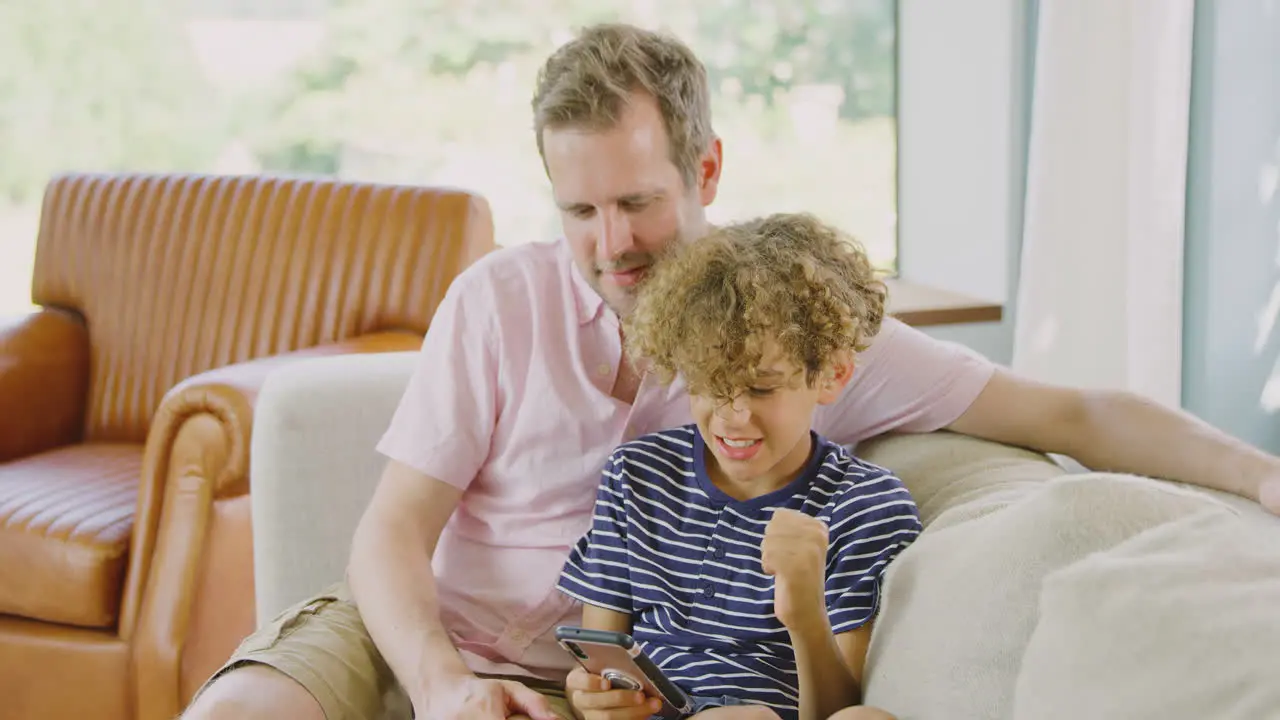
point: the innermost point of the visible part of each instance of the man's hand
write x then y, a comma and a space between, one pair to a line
1269, 494
473, 698
795, 553
592, 699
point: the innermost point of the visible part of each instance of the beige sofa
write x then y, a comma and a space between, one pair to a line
1033, 594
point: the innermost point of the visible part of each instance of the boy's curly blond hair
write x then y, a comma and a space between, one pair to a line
711, 305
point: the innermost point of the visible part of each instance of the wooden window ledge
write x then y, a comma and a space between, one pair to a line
921, 305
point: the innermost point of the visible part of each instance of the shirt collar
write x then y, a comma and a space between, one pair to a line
589, 304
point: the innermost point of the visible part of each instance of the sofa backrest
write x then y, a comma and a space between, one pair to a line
179, 274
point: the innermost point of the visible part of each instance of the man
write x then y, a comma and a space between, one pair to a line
522, 390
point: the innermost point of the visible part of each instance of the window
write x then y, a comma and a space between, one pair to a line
432, 92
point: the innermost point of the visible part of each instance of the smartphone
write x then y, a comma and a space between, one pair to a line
617, 658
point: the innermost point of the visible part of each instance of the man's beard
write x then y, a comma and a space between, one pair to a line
631, 261
621, 299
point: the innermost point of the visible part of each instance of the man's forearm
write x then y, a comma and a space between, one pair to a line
391, 578
826, 684
1123, 432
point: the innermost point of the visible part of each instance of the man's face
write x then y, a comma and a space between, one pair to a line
622, 201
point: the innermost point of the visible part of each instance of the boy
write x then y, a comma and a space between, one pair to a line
744, 552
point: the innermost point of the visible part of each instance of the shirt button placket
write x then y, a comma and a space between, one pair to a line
712, 573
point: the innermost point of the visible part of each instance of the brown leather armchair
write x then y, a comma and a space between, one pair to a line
126, 405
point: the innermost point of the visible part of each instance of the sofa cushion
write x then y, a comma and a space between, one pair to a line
1178, 623
954, 478
960, 604
66, 517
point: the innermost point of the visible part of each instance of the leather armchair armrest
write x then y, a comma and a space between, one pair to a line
188, 597
44, 379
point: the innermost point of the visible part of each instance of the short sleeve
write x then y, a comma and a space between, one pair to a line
906, 381
444, 422
872, 523
597, 571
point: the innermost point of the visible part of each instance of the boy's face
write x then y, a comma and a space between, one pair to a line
761, 437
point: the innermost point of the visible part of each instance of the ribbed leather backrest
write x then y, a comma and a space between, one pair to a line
178, 274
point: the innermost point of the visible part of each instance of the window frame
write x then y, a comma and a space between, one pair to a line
960, 182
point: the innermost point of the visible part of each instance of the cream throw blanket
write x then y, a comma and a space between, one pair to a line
1035, 595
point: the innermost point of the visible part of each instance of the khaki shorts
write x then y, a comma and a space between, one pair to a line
322, 644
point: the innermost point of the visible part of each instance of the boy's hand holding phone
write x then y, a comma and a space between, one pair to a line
593, 699
794, 551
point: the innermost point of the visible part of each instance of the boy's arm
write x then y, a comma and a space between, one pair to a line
596, 571
598, 618
853, 651
595, 575
869, 528
828, 683
794, 551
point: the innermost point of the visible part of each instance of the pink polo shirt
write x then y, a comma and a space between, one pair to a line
510, 402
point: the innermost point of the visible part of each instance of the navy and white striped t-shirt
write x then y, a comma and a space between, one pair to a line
683, 559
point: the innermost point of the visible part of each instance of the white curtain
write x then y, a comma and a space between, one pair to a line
1100, 288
